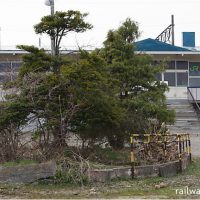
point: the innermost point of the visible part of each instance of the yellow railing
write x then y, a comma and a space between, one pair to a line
182, 140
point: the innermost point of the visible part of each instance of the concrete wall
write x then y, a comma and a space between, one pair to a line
164, 170
28, 173
177, 93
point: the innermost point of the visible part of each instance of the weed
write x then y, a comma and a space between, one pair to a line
18, 162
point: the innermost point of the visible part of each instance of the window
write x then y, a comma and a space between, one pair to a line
16, 66
5, 66
182, 79
170, 77
195, 82
171, 65
194, 69
159, 76
182, 65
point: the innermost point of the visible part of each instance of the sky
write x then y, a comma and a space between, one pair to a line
17, 18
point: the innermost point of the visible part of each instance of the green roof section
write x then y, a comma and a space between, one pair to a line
155, 45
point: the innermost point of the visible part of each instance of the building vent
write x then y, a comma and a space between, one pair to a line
188, 39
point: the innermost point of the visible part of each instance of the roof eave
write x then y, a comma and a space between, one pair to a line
169, 52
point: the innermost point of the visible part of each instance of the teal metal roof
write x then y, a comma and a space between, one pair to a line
155, 45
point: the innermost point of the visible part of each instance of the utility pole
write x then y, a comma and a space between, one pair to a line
172, 23
51, 4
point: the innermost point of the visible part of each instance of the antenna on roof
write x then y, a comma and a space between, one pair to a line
168, 34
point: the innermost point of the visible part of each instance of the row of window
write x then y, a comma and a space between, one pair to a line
8, 70
179, 79
8, 77
181, 73
175, 77
9, 66
177, 65
193, 67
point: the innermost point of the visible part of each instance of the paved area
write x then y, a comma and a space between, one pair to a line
187, 121
195, 144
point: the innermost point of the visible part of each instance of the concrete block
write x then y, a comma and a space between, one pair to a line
124, 172
185, 162
100, 175
169, 169
146, 171
28, 173
165, 170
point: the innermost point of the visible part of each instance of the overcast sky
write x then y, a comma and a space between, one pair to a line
17, 18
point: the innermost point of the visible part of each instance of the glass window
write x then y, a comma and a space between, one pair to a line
16, 65
195, 82
182, 65
156, 62
159, 76
9, 66
170, 77
5, 66
194, 68
2, 78
171, 65
182, 79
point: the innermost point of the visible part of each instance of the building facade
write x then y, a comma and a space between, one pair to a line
183, 65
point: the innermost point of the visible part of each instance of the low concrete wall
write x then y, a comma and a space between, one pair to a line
185, 162
28, 173
169, 169
121, 172
100, 175
164, 170
146, 171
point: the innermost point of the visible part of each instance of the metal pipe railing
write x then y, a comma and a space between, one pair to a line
182, 141
193, 98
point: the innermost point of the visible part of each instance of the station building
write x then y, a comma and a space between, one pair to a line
11, 60
183, 69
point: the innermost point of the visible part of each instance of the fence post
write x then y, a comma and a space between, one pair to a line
183, 142
180, 152
190, 152
165, 146
186, 145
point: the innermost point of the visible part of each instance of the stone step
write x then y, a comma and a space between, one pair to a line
181, 109
184, 131
196, 126
193, 126
186, 117
184, 128
188, 127
186, 114
180, 105
177, 100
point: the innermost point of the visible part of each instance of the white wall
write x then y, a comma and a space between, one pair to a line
177, 93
